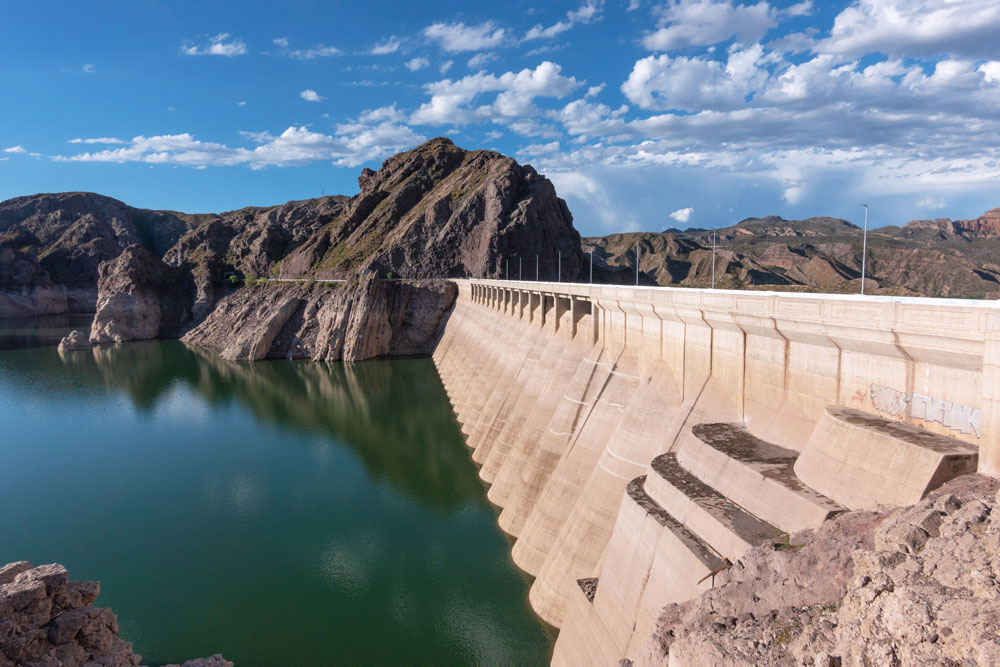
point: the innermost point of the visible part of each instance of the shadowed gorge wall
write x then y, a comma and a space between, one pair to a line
638, 439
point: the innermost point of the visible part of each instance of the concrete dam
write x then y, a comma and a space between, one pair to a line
640, 439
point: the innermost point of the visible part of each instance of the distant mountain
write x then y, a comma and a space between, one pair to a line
923, 257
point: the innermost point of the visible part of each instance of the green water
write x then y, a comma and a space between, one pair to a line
279, 512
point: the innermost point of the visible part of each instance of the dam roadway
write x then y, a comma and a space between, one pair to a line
639, 439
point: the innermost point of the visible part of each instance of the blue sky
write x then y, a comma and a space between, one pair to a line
646, 115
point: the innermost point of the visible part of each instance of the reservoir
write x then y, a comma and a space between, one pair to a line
278, 512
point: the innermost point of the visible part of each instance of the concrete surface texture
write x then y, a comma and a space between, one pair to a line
637, 439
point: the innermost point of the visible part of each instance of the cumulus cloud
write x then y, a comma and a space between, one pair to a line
219, 45
88, 69
374, 135
450, 101
386, 46
445, 66
458, 37
586, 13
415, 64
97, 140
682, 215
16, 149
280, 41
686, 23
915, 28
310, 95
663, 82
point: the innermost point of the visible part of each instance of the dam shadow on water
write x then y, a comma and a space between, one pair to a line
277, 512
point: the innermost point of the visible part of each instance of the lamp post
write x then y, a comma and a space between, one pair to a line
506, 269
591, 265
713, 259
864, 250
559, 275
519, 269
637, 263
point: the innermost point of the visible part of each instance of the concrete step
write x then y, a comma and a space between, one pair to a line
754, 474
862, 460
721, 523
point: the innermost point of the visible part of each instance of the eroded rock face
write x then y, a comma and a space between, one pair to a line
905, 586
76, 340
328, 322
47, 620
140, 298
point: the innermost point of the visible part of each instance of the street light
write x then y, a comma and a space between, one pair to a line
713, 259
591, 265
637, 263
559, 275
864, 250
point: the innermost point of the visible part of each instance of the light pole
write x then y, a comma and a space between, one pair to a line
506, 269
519, 269
559, 275
536, 268
864, 250
637, 263
591, 265
713, 259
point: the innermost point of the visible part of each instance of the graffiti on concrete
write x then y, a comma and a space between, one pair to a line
955, 416
889, 400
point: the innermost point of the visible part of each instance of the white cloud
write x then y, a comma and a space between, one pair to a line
97, 140
445, 66
371, 137
685, 23
931, 202
593, 91
88, 69
280, 41
800, 9
219, 45
16, 149
450, 100
991, 71
481, 59
318, 51
662, 82
417, 64
915, 28
386, 46
586, 13
310, 95
241, 103
458, 37
682, 214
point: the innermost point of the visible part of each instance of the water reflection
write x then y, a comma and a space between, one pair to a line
394, 414
39, 331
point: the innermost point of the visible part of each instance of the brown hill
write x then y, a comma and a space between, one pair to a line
929, 258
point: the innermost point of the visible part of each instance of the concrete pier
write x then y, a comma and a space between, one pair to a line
635, 438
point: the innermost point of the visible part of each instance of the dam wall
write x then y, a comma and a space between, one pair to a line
639, 439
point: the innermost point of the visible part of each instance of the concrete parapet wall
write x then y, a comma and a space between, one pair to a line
567, 392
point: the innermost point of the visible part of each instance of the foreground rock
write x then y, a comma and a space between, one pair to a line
76, 340
47, 620
139, 298
906, 586
360, 320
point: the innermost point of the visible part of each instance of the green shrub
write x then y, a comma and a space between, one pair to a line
250, 279
276, 269
234, 280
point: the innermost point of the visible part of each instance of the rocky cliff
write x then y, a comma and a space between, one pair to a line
364, 319
45, 619
901, 586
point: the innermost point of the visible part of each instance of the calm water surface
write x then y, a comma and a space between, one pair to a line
276, 512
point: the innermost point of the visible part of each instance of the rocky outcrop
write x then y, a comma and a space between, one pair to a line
48, 620
26, 289
364, 319
904, 586
76, 340
439, 211
139, 298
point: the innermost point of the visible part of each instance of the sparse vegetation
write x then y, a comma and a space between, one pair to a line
250, 279
276, 269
